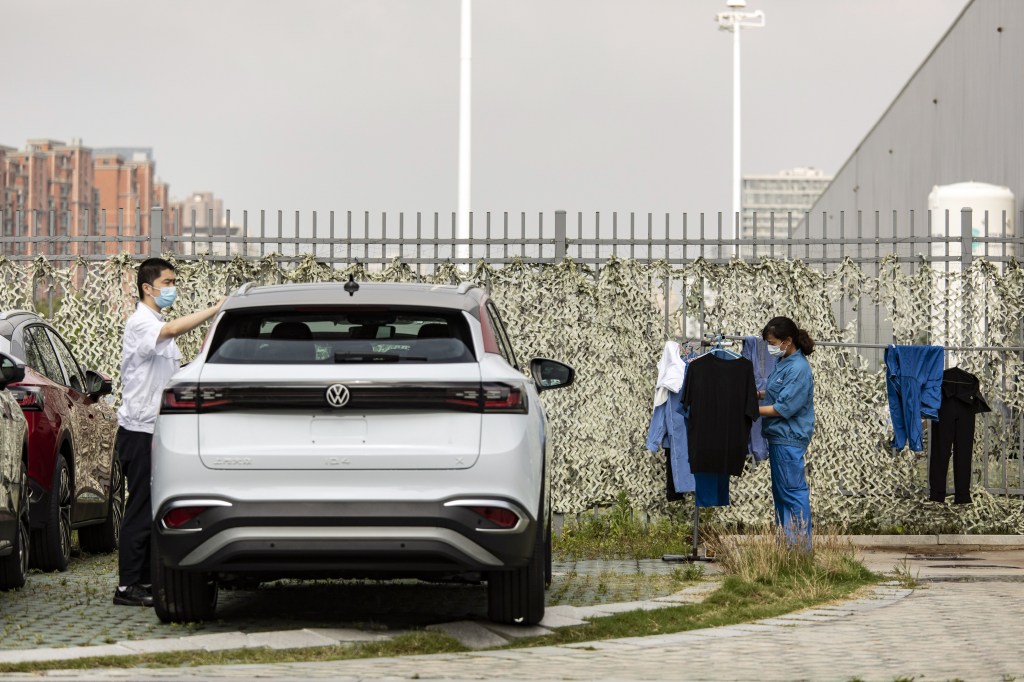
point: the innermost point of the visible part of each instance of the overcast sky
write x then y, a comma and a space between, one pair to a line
584, 105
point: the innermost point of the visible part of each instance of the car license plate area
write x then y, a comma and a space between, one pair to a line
337, 430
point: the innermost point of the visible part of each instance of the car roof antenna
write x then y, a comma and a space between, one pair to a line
351, 286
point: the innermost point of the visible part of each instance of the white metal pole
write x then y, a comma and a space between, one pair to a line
465, 126
736, 180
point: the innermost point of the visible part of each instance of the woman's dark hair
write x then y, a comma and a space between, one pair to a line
149, 272
785, 328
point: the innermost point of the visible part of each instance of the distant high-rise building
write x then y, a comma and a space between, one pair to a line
202, 211
129, 189
48, 191
790, 191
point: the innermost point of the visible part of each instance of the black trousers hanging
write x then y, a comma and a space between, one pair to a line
952, 434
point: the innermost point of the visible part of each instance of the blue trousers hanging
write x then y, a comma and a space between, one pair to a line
790, 493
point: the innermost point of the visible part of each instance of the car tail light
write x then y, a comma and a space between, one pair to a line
190, 398
179, 516
488, 398
28, 397
505, 518
502, 398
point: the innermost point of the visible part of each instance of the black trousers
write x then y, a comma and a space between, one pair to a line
134, 449
952, 434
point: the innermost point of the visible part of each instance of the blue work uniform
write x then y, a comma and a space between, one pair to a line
790, 389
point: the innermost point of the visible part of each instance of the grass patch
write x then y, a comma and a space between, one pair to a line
764, 578
605, 587
618, 533
411, 644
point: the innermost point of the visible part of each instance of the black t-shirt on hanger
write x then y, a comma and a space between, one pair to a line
722, 401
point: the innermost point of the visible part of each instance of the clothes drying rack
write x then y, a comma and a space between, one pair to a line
720, 339
715, 341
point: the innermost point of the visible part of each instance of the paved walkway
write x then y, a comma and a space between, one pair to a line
966, 621
74, 609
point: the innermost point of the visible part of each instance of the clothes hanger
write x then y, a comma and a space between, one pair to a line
718, 347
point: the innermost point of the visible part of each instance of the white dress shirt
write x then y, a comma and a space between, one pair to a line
146, 366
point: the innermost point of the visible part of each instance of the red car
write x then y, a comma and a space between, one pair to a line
75, 479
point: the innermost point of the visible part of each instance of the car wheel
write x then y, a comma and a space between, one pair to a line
181, 596
516, 597
14, 566
51, 544
106, 536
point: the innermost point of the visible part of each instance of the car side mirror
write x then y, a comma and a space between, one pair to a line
11, 370
548, 374
97, 384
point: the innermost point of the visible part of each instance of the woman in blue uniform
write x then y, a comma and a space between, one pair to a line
787, 423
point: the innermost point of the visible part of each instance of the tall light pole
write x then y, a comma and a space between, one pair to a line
465, 126
735, 19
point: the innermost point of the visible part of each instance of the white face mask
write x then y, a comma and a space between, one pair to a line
776, 351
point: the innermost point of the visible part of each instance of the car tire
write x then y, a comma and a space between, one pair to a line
14, 566
181, 596
516, 597
105, 537
51, 544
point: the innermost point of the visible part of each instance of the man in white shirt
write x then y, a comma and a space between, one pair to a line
149, 358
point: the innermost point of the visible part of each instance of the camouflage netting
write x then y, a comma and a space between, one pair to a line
610, 325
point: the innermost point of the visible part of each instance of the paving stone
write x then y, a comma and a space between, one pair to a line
343, 635
219, 642
159, 646
565, 611
555, 621
889, 540
471, 635
589, 612
753, 627
981, 540
63, 654
289, 639
517, 631
626, 606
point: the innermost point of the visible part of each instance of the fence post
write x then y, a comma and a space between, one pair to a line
559, 236
967, 291
966, 238
156, 231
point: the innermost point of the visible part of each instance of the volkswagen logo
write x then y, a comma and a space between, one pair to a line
337, 395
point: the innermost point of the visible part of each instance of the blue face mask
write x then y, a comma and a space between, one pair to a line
167, 296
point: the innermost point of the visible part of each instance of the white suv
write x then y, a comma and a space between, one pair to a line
354, 430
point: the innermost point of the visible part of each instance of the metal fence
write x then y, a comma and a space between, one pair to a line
430, 239
423, 241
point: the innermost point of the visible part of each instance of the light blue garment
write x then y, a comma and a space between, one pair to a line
668, 430
913, 382
790, 390
790, 493
755, 349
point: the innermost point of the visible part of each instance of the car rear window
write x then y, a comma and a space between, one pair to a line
333, 335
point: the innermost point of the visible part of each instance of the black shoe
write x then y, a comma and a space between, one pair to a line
135, 595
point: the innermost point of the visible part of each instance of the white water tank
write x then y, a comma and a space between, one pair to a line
992, 209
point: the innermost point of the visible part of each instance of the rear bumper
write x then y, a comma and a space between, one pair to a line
343, 539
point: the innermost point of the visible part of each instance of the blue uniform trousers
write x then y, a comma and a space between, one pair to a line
790, 492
